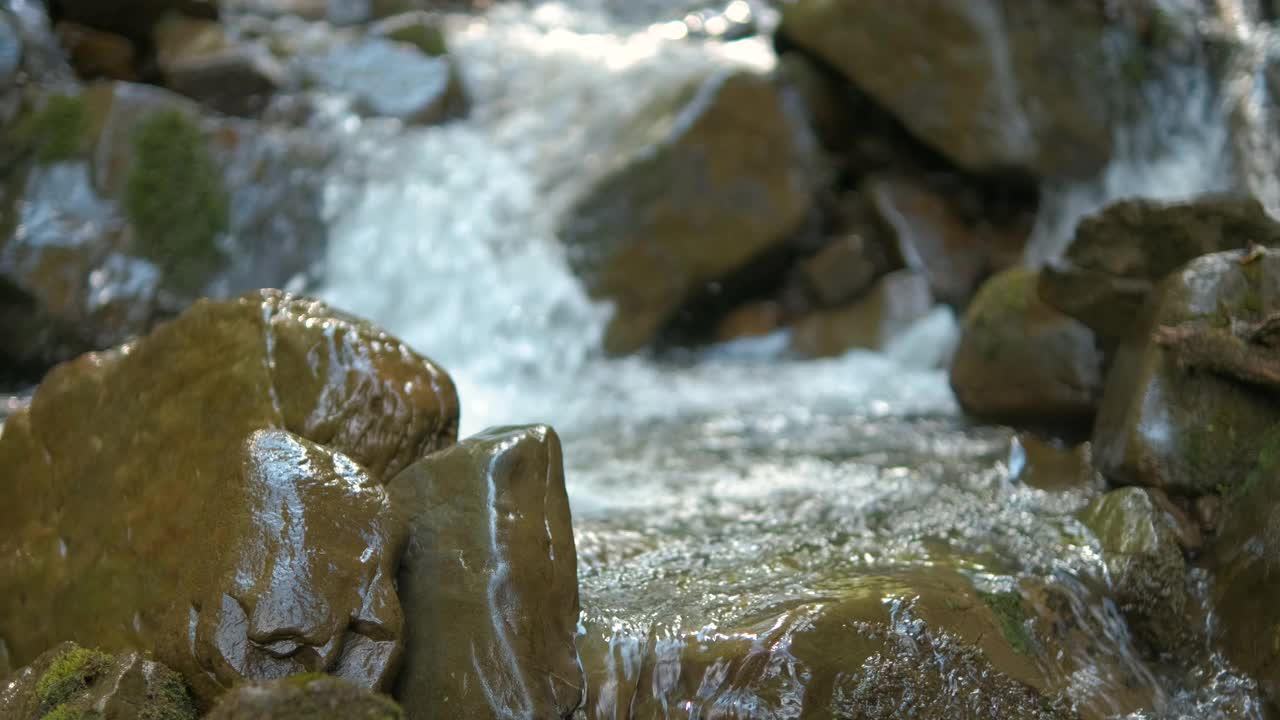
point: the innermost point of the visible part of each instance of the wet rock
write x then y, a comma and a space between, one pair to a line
1245, 559
70, 682
304, 697
866, 647
985, 85
1051, 467
133, 19
213, 492
98, 54
841, 271
1020, 361
707, 181
125, 204
931, 238
200, 61
1142, 536
895, 302
1118, 255
1188, 431
489, 580
392, 79
750, 320
419, 29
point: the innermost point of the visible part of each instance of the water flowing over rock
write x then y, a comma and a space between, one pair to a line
985, 82
70, 682
1118, 255
392, 79
304, 697
1186, 430
1244, 557
489, 580
213, 493
1021, 361
708, 181
1143, 536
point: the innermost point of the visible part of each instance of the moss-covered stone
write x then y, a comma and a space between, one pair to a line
1020, 361
1184, 430
310, 696
176, 200
74, 683
58, 131
1142, 535
1013, 618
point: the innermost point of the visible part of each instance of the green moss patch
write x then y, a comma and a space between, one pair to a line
176, 200
1007, 607
70, 673
57, 132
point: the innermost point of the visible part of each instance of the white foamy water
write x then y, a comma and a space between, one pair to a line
447, 238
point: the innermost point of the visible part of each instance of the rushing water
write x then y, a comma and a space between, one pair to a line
709, 497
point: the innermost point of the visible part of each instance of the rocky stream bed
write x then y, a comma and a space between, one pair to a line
639, 359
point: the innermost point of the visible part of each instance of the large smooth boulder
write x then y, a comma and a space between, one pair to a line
212, 492
707, 181
123, 203
489, 580
1119, 254
1021, 361
70, 682
304, 697
1185, 430
982, 81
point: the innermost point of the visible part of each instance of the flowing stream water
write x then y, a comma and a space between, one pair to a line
745, 488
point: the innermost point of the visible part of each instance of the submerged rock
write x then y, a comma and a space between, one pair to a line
212, 492
709, 180
866, 647
1185, 430
1021, 361
73, 683
1118, 255
313, 696
895, 302
489, 580
985, 85
1142, 536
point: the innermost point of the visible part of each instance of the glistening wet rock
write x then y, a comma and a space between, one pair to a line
708, 180
213, 493
311, 696
1119, 254
70, 682
1189, 430
1021, 361
489, 580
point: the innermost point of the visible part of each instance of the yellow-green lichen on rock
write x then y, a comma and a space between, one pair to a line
176, 200
70, 682
57, 131
213, 492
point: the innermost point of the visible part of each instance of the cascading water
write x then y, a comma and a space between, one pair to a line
708, 495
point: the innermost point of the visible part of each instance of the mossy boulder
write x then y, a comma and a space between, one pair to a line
1183, 430
312, 696
711, 177
1142, 535
213, 492
1120, 253
1022, 362
981, 81
70, 682
1245, 559
489, 581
